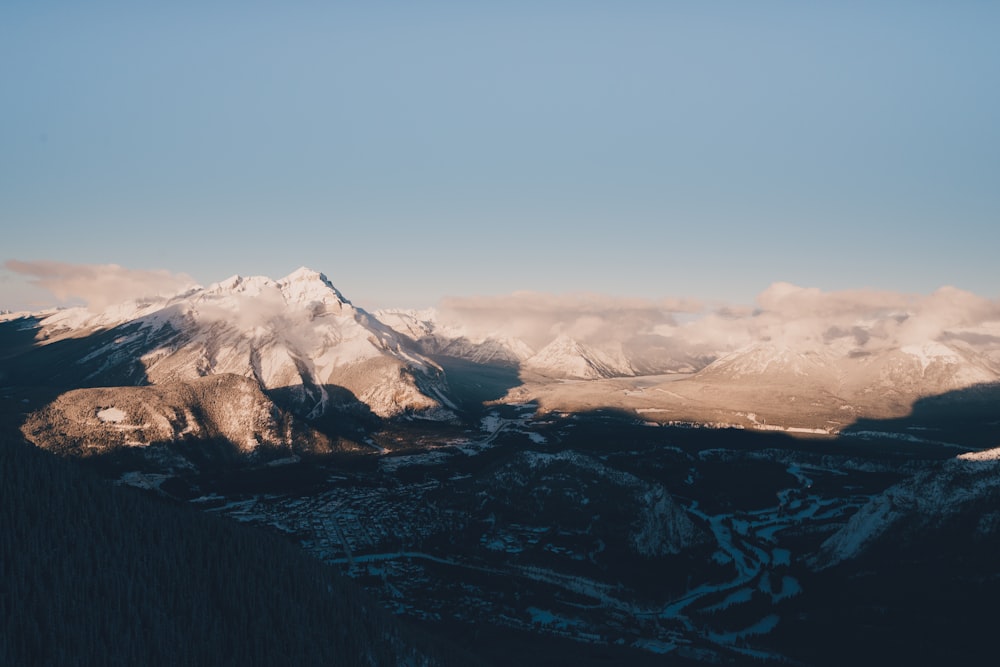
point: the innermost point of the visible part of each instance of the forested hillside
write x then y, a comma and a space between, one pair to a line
95, 574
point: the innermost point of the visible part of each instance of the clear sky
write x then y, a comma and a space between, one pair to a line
414, 150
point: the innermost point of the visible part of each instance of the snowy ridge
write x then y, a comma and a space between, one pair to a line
314, 350
769, 360
500, 350
854, 375
987, 456
932, 353
568, 358
432, 336
297, 335
929, 497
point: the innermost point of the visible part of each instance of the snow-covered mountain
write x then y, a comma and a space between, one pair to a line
931, 367
568, 358
564, 357
887, 373
312, 351
298, 337
434, 337
771, 363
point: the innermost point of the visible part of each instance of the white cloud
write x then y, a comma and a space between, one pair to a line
538, 318
793, 315
785, 314
98, 285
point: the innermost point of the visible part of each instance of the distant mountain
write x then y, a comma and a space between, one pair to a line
930, 367
561, 358
432, 337
298, 337
770, 363
568, 358
318, 357
896, 375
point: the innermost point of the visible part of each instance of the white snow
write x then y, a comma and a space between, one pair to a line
491, 422
565, 357
985, 456
112, 415
931, 352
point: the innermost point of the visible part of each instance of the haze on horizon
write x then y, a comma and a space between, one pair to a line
647, 150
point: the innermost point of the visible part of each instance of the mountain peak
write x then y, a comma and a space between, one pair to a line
301, 287
304, 274
250, 285
304, 285
568, 358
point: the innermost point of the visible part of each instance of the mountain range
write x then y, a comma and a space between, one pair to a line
420, 451
303, 359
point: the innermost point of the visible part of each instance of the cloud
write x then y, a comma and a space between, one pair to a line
861, 319
99, 285
946, 310
845, 321
247, 311
794, 302
538, 318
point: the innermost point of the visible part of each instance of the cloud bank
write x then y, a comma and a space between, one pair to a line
678, 331
792, 314
99, 285
538, 318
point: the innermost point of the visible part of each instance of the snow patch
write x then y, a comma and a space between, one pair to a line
112, 415
928, 353
986, 456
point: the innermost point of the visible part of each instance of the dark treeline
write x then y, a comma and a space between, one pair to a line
93, 574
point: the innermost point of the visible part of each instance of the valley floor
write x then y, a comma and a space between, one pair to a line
615, 534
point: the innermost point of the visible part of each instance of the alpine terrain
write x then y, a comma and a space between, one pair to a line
773, 486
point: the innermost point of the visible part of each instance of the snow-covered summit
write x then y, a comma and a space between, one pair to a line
307, 286
302, 287
297, 336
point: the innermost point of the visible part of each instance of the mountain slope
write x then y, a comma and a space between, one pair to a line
298, 337
913, 370
933, 498
432, 337
771, 363
887, 376
568, 358
225, 416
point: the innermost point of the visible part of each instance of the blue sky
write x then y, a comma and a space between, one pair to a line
413, 151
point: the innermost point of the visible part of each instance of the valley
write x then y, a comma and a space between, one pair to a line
597, 528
